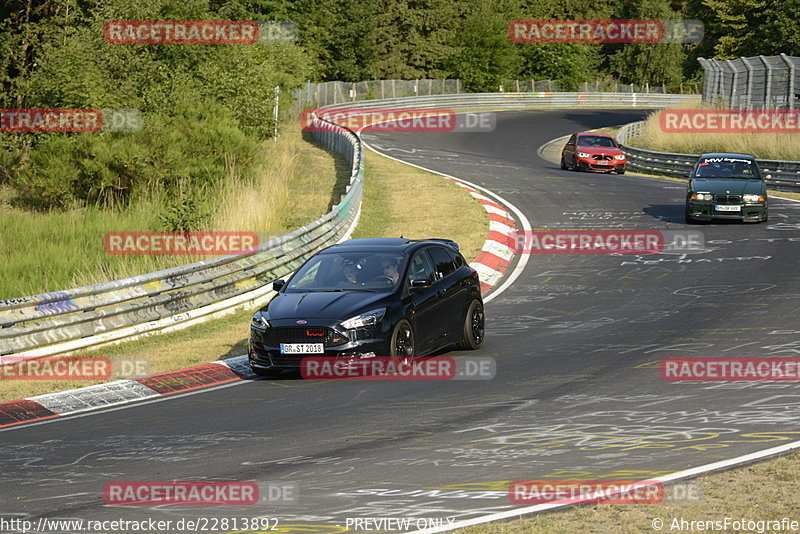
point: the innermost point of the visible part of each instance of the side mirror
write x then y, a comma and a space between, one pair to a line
420, 283
278, 284
687, 175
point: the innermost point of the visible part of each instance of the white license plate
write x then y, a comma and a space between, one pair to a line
302, 348
728, 208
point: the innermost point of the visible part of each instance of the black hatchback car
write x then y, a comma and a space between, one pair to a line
370, 297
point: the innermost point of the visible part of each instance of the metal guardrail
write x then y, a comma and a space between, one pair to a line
66, 321
499, 101
63, 321
332, 93
785, 175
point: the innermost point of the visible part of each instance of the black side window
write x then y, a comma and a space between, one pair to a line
571, 140
420, 267
442, 261
459, 260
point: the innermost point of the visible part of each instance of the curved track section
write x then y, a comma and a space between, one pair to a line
576, 395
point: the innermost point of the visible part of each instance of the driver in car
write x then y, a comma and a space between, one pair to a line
390, 270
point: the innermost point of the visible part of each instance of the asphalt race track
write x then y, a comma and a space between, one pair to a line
577, 393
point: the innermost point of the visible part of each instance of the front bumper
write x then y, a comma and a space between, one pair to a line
361, 343
604, 166
701, 210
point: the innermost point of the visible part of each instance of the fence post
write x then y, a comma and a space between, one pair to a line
734, 101
790, 81
768, 90
749, 98
275, 110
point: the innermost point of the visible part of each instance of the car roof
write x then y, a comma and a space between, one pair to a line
726, 155
387, 244
594, 133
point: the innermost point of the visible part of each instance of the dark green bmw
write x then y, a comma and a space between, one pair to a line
726, 186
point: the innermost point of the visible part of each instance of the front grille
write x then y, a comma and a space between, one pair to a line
598, 157
303, 334
728, 199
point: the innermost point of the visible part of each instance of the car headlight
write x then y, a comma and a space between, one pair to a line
258, 321
619, 156
702, 196
753, 198
584, 155
365, 319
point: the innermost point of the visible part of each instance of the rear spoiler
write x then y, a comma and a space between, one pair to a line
449, 242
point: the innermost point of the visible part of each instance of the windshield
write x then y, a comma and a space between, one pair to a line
348, 271
727, 168
596, 140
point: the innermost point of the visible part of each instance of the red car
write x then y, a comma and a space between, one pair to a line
593, 152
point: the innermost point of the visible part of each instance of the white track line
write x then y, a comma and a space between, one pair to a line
688, 473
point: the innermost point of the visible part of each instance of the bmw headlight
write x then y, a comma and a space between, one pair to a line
702, 196
753, 198
584, 155
365, 319
619, 156
259, 321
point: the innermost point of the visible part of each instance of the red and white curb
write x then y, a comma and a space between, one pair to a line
120, 392
495, 256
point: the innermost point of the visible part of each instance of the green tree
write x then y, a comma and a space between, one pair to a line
485, 55
652, 63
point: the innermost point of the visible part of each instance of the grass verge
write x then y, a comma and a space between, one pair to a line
765, 145
763, 491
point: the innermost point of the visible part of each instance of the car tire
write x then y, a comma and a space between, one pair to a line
621, 172
574, 166
563, 163
402, 345
689, 219
474, 327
